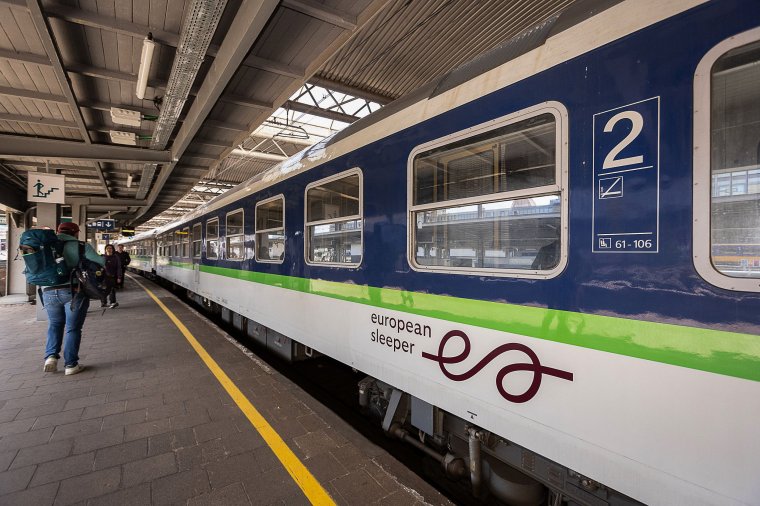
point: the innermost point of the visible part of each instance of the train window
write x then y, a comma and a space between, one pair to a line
270, 230
197, 240
334, 220
490, 199
185, 236
727, 163
235, 236
212, 238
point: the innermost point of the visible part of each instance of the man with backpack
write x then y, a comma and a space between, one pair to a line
125, 259
65, 302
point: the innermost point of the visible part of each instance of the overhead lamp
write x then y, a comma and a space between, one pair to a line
129, 180
125, 138
146, 57
258, 154
125, 117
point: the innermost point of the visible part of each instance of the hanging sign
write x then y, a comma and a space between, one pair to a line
102, 225
48, 188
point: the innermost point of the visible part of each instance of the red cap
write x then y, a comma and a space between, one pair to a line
68, 228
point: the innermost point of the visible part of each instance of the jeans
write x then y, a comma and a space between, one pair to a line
63, 312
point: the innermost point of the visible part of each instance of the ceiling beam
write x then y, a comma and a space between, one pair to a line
319, 111
274, 67
18, 145
39, 121
351, 90
323, 13
43, 30
36, 59
246, 102
31, 94
27, 163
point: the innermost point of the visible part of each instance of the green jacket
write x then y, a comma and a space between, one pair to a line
71, 251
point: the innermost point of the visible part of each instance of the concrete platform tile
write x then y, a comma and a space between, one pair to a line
87, 486
7, 415
77, 429
16, 426
31, 438
236, 468
124, 419
15, 480
61, 469
37, 496
84, 402
179, 487
60, 418
146, 429
6, 458
103, 439
358, 485
54, 406
231, 495
42, 453
104, 409
27, 400
133, 496
325, 467
271, 487
120, 454
149, 469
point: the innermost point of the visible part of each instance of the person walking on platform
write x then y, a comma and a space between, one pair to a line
66, 310
124, 257
113, 275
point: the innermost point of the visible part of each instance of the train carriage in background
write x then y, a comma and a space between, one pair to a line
545, 261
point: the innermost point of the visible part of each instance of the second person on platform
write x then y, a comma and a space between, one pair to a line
113, 276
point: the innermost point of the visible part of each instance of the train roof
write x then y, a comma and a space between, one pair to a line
582, 27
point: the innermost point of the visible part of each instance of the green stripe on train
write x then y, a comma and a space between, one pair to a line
727, 353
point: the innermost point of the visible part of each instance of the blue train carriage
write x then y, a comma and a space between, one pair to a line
546, 262
141, 249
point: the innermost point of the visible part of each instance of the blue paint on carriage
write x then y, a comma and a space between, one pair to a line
657, 61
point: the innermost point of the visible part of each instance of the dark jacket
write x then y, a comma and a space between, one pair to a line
113, 266
124, 257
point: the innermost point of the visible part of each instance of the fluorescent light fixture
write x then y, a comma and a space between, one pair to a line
126, 138
258, 154
129, 180
146, 57
125, 117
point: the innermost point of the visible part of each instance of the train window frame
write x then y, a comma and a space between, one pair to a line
210, 238
196, 243
702, 203
559, 187
358, 217
227, 236
268, 230
185, 237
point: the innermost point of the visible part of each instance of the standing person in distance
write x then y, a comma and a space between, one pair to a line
125, 259
66, 310
113, 275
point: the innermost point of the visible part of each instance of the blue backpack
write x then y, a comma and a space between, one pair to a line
42, 253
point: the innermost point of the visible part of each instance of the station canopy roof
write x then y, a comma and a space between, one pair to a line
231, 89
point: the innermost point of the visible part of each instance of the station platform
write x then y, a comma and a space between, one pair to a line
170, 411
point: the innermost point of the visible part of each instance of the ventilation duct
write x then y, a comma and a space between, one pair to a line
197, 32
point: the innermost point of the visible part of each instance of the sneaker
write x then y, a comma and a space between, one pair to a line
51, 364
74, 369
113, 305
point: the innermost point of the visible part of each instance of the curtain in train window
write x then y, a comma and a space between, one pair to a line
735, 162
334, 221
212, 238
490, 201
197, 240
235, 236
270, 230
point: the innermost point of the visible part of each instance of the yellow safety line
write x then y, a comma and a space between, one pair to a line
305, 480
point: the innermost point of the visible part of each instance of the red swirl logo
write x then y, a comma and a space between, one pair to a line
533, 366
